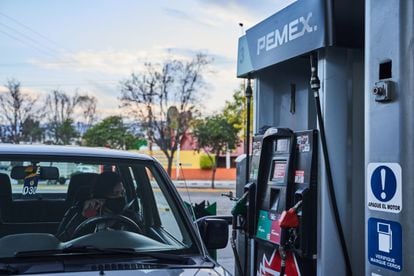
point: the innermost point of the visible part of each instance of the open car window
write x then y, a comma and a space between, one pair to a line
68, 203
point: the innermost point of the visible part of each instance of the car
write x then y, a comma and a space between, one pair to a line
84, 168
54, 229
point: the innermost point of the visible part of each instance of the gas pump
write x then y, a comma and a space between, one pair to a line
309, 213
286, 178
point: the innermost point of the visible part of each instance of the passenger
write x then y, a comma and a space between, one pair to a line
108, 198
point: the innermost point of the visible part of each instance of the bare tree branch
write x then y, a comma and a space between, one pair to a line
149, 95
61, 111
16, 108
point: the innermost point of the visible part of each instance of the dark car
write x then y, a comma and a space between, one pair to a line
73, 228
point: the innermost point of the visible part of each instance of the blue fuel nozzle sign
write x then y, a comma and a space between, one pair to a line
385, 244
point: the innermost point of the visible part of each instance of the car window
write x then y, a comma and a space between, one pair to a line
71, 200
168, 221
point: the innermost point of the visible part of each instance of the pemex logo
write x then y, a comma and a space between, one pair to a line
289, 32
270, 267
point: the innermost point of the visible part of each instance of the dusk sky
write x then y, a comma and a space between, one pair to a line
91, 45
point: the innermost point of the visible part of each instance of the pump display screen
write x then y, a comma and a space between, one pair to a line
282, 145
279, 171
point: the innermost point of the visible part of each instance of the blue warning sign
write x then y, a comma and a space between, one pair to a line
384, 187
385, 244
383, 183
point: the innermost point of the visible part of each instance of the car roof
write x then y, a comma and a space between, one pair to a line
72, 151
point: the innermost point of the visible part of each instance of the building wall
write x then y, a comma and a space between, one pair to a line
190, 162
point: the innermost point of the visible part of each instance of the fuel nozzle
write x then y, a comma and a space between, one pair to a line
289, 219
240, 208
230, 195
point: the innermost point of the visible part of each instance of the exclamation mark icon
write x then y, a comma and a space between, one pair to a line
383, 195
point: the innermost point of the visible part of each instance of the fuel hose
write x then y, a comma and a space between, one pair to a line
315, 86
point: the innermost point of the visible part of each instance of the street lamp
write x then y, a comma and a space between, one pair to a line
248, 94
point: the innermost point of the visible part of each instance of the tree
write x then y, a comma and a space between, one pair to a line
32, 131
88, 104
16, 108
215, 135
163, 99
110, 132
235, 110
60, 114
66, 132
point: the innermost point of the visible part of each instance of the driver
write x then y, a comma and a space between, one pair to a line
108, 198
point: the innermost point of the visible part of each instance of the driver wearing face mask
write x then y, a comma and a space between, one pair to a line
108, 198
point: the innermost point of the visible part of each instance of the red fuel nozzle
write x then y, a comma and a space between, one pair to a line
289, 218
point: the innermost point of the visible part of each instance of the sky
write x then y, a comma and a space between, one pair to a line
90, 46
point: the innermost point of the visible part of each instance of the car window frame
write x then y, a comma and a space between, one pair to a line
195, 240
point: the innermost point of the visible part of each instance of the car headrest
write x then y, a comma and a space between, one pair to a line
78, 185
5, 186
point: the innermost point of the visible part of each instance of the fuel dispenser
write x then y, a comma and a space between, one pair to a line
283, 176
286, 177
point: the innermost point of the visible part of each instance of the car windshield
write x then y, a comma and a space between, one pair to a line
56, 203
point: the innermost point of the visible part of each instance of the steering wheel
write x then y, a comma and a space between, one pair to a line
128, 205
106, 218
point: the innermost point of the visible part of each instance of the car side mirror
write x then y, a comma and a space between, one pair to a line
214, 232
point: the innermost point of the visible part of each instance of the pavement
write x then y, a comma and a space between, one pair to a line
202, 184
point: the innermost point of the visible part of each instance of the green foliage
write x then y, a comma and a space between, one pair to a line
65, 131
235, 110
31, 130
111, 132
215, 134
60, 110
140, 143
206, 162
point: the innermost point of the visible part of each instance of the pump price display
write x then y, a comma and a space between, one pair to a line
279, 171
384, 187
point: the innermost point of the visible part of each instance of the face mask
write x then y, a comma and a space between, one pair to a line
116, 205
